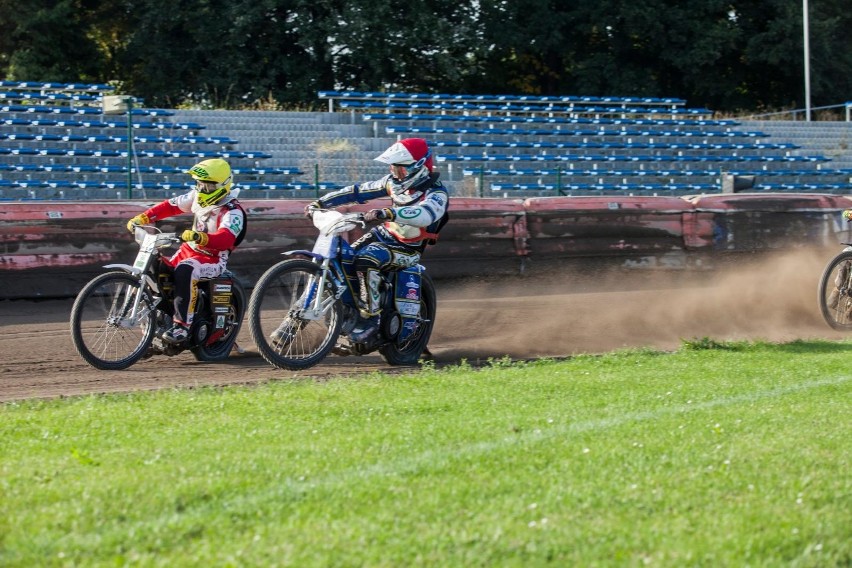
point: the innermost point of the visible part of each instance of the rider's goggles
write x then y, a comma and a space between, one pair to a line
404, 171
400, 171
205, 186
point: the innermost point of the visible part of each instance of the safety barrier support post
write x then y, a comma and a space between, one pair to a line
316, 180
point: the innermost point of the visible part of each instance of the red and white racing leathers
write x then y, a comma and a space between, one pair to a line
223, 223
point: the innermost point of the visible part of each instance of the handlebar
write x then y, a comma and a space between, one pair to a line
331, 221
353, 216
140, 231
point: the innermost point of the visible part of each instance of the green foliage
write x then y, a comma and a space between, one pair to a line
726, 55
703, 343
47, 40
707, 457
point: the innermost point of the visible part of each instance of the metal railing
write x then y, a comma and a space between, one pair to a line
797, 113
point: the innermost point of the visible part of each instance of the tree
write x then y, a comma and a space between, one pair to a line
402, 45
730, 55
49, 40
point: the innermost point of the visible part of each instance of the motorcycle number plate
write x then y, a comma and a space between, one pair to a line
323, 245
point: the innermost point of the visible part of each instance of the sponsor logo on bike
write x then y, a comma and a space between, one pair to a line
409, 308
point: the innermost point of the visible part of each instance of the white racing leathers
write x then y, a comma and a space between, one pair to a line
398, 244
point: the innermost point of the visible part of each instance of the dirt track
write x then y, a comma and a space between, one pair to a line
772, 299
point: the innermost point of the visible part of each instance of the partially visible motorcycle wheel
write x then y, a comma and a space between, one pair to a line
221, 348
283, 339
409, 353
835, 292
102, 335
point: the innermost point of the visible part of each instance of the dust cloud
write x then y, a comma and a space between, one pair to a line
575, 310
771, 297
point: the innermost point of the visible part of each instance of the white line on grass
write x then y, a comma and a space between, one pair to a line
431, 458
442, 456
287, 489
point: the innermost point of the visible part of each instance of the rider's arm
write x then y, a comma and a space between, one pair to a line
357, 193
170, 207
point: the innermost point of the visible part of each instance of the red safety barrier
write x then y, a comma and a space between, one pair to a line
50, 249
765, 222
604, 226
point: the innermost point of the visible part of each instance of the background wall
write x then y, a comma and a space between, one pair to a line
50, 249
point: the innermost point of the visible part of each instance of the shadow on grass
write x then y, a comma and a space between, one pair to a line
802, 346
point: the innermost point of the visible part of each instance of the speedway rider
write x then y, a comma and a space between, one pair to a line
218, 227
418, 212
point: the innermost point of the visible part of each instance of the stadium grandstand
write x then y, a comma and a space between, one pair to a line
57, 143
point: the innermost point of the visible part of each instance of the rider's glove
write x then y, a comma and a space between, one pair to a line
847, 214
194, 237
386, 214
311, 207
140, 219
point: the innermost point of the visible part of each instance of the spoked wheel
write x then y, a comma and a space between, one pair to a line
835, 292
218, 346
285, 338
102, 327
409, 352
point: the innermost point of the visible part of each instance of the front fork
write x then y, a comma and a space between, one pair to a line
312, 306
133, 308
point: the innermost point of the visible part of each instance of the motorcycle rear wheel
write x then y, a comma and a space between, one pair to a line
409, 352
220, 349
99, 329
283, 339
835, 292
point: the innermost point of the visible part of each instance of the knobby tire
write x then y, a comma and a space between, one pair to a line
284, 340
96, 329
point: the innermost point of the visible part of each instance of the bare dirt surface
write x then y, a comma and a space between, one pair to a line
767, 298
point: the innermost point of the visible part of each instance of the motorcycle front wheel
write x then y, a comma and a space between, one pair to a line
102, 332
410, 351
284, 338
835, 292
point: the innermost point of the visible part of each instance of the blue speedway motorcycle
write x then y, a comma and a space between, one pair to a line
304, 308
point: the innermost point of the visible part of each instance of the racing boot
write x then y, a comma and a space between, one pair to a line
833, 298
177, 333
839, 282
368, 307
283, 334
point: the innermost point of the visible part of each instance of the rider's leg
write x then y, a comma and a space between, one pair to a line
369, 261
186, 289
840, 281
372, 257
187, 273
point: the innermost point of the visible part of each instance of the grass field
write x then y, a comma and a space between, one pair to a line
734, 454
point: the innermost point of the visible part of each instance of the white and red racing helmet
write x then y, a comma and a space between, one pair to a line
410, 161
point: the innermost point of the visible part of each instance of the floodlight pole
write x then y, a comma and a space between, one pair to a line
115, 105
807, 61
129, 147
